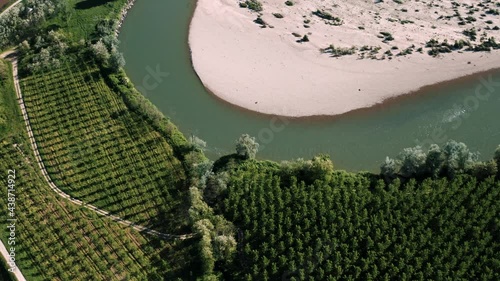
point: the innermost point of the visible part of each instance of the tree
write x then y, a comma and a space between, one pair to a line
116, 60
458, 158
197, 143
389, 169
203, 228
247, 147
435, 161
199, 209
412, 161
224, 247
321, 168
483, 170
216, 184
100, 51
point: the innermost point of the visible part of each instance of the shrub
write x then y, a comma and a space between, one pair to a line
471, 33
327, 16
304, 39
338, 51
387, 36
254, 5
260, 21
247, 147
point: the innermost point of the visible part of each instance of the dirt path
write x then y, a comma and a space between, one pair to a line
10, 7
5, 254
10, 55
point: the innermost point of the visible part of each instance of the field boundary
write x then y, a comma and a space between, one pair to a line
17, 272
11, 56
10, 7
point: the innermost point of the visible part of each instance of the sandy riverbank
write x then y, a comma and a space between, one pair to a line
266, 70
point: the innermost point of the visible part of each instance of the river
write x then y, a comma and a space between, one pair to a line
154, 39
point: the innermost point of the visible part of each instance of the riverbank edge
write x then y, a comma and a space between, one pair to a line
423, 90
137, 102
123, 15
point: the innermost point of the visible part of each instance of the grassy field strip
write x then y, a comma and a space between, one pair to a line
59, 191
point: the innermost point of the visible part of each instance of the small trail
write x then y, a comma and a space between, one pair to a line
13, 59
17, 272
10, 7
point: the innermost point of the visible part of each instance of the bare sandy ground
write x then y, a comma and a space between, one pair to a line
268, 71
5, 254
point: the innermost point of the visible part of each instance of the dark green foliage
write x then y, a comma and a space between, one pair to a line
350, 227
493, 12
386, 36
289, 3
339, 51
305, 38
260, 22
471, 33
328, 17
254, 5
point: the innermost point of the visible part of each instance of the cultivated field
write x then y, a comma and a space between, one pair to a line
98, 151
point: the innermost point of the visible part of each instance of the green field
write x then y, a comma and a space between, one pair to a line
348, 227
98, 151
81, 16
57, 240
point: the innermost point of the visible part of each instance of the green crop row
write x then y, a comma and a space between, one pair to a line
56, 240
349, 227
98, 151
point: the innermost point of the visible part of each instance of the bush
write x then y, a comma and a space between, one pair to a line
254, 5
339, 51
327, 16
471, 33
247, 147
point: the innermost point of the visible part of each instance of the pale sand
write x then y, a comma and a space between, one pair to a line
266, 70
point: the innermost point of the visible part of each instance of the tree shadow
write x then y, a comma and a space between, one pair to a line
88, 4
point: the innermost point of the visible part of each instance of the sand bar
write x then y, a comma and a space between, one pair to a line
268, 71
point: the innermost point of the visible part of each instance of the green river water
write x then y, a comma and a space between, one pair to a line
154, 36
